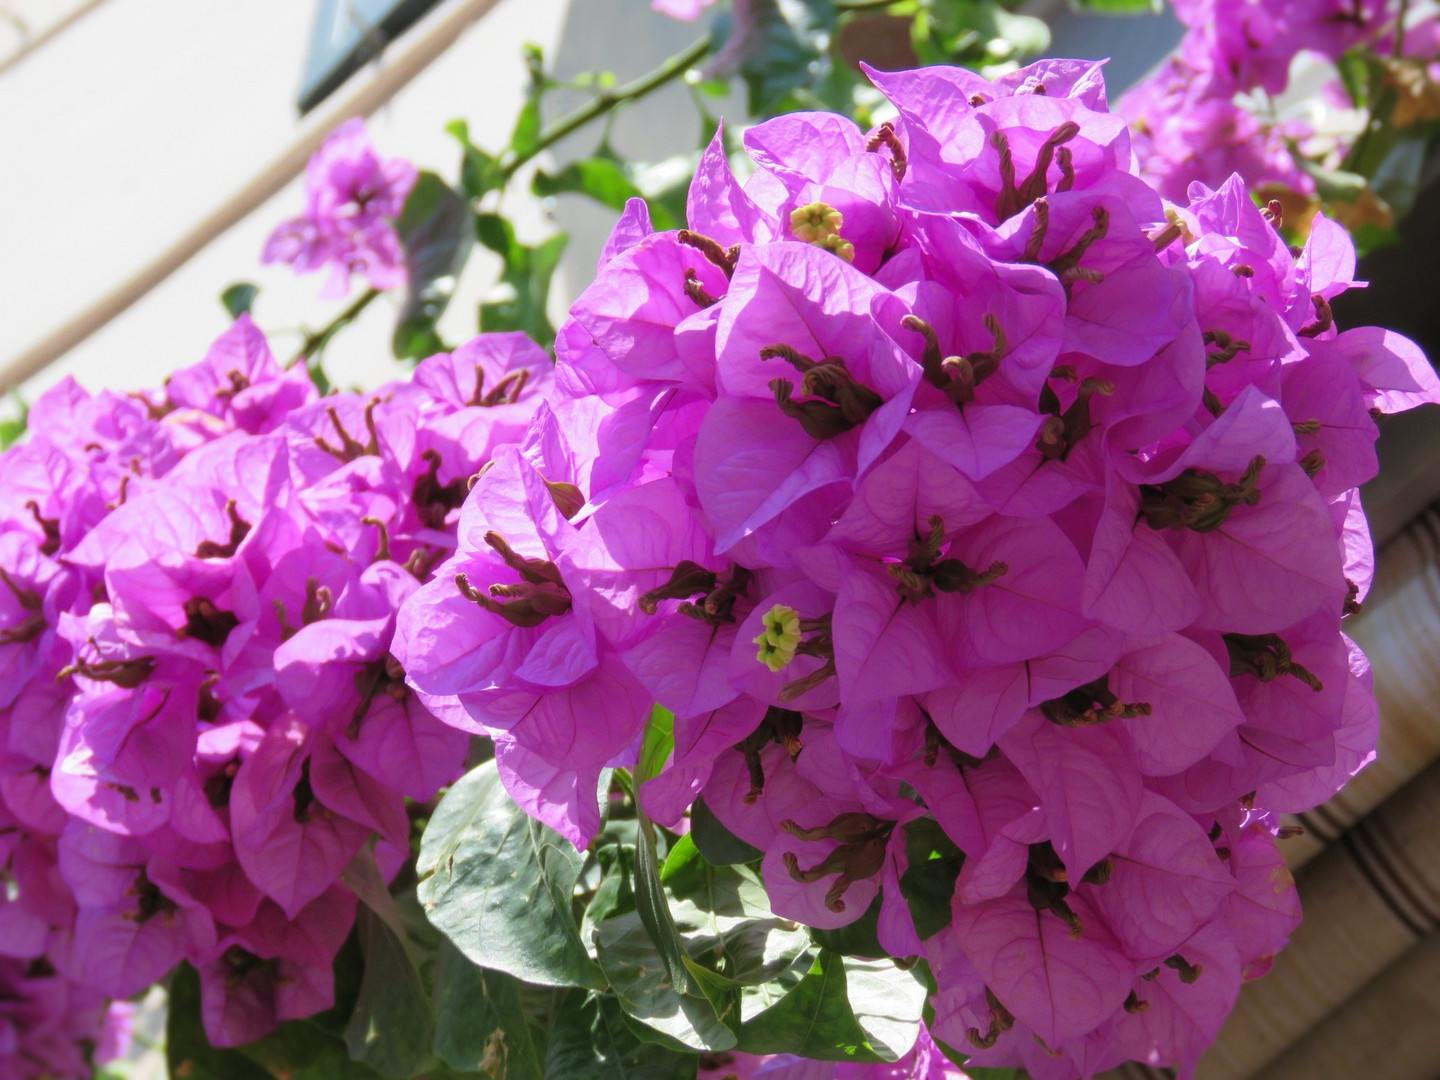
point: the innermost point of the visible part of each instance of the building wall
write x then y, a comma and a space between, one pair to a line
143, 116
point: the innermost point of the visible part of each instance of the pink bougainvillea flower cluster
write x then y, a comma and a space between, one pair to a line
52, 1028
1185, 133
201, 722
945, 475
1195, 117
352, 196
1251, 43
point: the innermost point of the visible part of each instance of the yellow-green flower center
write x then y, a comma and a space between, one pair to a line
840, 246
820, 224
779, 638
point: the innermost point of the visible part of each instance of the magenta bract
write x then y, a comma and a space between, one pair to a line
946, 470
202, 721
352, 196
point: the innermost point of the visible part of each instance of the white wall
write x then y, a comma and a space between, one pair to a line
134, 123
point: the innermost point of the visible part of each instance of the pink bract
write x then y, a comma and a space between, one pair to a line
202, 722
352, 197
948, 470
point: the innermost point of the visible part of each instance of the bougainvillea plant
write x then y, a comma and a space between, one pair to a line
983, 526
1225, 102
880, 643
352, 197
205, 729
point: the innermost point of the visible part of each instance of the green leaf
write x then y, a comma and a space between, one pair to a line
301, 1050
1378, 139
887, 1002
740, 956
763, 957
602, 178
525, 137
1119, 7
757, 998
724, 919
436, 235
606, 180
786, 50
843, 1010
239, 297
1332, 185
683, 863
479, 172
1024, 35
1370, 238
644, 980
1396, 178
679, 971
651, 907
928, 884
519, 300
500, 885
814, 1020
1355, 73
480, 1025
657, 745
976, 35
589, 1040
614, 855
718, 844
734, 891
390, 1029
12, 429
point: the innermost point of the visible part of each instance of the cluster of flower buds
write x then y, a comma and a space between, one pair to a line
944, 478
201, 723
1195, 117
352, 196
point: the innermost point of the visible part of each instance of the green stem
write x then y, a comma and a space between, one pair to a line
667, 72
863, 5
1400, 28
625, 782
320, 338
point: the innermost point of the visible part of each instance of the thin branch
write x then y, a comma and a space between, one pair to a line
607, 100
1400, 28
316, 341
